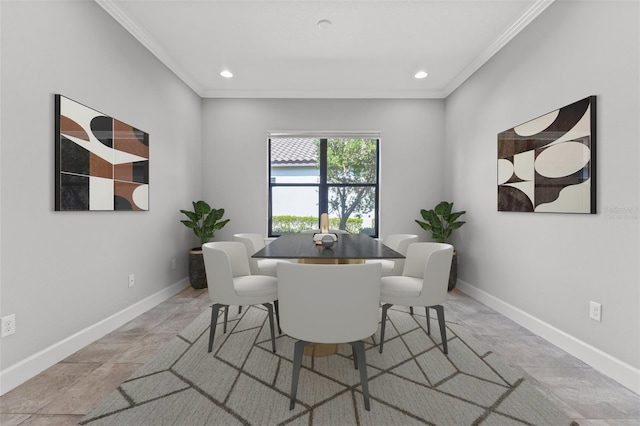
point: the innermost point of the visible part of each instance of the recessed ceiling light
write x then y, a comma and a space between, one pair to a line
226, 74
324, 24
421, 74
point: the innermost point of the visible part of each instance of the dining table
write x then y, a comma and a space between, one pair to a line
347, 249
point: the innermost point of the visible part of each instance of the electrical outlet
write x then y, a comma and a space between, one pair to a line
595, 311
173, 264
132, 280
8, 325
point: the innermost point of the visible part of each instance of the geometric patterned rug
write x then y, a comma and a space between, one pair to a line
242, 382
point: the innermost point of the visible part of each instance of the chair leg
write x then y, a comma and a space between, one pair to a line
443, 331
226, 316
273, 339
426, 309
215, 309
297, 364
385, 307
355, 357
275, 304
362, 366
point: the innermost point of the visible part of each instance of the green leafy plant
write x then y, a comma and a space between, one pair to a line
290, 224
204, 220
441, 221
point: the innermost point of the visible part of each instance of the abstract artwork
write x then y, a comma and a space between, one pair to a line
548, 164
101, 163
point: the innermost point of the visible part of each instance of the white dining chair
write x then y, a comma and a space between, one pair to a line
329, 304
254, 243
423, 282
230, 282
399, 243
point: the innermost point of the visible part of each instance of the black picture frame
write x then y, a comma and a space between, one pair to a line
101, 163
548, 164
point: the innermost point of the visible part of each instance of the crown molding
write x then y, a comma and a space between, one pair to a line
149, 43
523, 21
325, 94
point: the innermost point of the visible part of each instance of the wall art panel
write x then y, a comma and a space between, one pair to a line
548, 164
101, 163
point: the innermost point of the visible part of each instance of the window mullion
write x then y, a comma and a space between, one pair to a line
323, 190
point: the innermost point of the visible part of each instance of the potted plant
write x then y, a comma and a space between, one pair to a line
441, 221
204, 221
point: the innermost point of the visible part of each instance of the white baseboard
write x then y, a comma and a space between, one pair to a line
18, 373
623, 373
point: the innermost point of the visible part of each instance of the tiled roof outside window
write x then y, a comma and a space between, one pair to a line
294, 151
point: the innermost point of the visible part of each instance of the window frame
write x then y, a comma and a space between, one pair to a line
323, 186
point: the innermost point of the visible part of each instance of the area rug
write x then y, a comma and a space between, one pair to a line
243, 382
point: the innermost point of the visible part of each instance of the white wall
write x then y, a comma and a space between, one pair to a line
235, 149
543, 269
65, 272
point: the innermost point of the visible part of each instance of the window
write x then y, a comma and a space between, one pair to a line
312, 175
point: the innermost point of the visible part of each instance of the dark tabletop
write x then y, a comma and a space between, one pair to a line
348, 246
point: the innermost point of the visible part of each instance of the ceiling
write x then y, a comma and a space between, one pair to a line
371, 48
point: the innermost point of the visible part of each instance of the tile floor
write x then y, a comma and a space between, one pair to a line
64, 393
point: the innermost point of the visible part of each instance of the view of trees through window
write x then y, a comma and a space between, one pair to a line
311, 176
